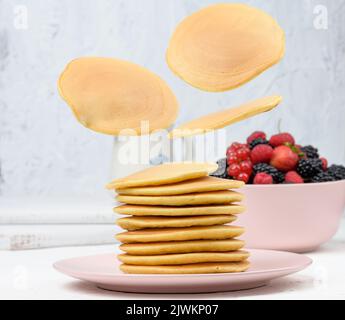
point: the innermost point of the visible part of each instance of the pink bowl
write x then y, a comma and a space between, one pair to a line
296, 218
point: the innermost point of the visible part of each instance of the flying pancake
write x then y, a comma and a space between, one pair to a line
110, 95
223, 46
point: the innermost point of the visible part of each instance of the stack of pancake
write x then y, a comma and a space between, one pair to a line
178, 220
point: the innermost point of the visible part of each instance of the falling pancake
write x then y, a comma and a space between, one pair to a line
138, 210
223, 46
221, 119
193, 199
164, 174
137, 223
180, 234
157, 248
184, 258
109, 96
195, 268
204, 184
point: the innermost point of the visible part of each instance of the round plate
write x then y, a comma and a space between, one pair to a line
103, 271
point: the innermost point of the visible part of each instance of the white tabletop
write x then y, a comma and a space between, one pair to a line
29, 275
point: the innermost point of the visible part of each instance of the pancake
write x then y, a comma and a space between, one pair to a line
180, 234
221, 119
193, 199
164, 174
195, 268
158, 248
184, 258
204, 184
138, 210
137, 223
110, 95
223, 46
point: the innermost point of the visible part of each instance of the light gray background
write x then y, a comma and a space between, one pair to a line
44, 151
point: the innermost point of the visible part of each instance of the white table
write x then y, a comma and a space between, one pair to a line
29, 275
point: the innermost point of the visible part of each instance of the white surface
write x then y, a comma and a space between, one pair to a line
23, 237
29, 275
44, 151
80, 210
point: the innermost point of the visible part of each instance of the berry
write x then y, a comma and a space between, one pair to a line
337, 172
243, 177
232, 160
284, 159
243, 154
323, 177
246, 167
256, 142
324, 164
261, 154
222, 169
277, 176
234, 170
233, 148
256, 135
293, 177
308, 168
281, 139
310, 152
263, 178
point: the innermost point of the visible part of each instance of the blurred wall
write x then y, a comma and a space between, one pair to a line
44, 151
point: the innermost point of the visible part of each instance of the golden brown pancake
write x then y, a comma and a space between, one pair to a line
223, 46
109, 95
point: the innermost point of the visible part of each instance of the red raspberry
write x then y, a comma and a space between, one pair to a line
246, 167
261, 154
232, 160
324, 164
293, 177
243, 177
263, 178
234, 170
243, 153
256, 135
281, 138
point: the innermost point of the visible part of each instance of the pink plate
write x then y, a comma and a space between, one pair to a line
103, 271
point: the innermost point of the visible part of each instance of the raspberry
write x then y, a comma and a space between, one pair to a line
277, 176
263, 178
256, 135
243, 177
281, 139
246, 167
261, 154
232, 160
234, 170
293, 177
243, 154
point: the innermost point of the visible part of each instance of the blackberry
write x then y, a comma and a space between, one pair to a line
308, 168
277, 175
311, 152
322, 177
256, 142
337, 172
222, 169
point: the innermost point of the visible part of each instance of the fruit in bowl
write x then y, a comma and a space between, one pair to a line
278, 160
294, 199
